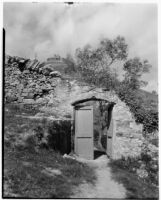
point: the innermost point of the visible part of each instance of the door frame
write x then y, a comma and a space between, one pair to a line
76, 110
110, 134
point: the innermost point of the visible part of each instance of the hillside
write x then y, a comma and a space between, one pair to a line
39, 99
53, 92
31, 169
150, 98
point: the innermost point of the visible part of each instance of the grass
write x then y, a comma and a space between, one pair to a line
14, 123
135, 186
28, 181
23, 168
20, 109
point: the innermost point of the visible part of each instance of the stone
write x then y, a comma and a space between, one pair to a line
29, 101
40, 100
43, 79
51, 172
53, 84
29, 96
40, 70
37, 66
20, 86
55, 74
49, 67
45, 89
15, 83
25, 90
26, 72
30, 64
142, 173
24, 94
34, 64
17, 72
32, 84
11, 99
26, 163
20, 99
21, 61
48, 85
46, 72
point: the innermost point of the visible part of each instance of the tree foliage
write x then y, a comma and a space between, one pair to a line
70, 64
140, 108
95, 64
128, 92
134, 69
154, 92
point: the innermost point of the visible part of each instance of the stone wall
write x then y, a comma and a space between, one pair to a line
128, 135
28, 81
32, 82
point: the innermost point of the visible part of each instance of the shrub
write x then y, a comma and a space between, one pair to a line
41, 135
145, 165
129, 163
59, 136
30, 142
139, 107
26, 141
33, 139
149, 157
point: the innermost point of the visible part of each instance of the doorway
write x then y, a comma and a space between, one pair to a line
93, 128
84, 132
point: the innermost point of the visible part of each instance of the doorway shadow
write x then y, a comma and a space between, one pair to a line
98, 153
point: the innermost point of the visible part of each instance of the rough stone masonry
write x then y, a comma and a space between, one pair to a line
31, 82
28, 81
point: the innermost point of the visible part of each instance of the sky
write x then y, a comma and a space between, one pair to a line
45, 29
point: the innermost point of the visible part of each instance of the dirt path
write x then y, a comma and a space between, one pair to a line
105, 186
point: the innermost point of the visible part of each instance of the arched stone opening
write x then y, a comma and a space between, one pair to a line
93, 127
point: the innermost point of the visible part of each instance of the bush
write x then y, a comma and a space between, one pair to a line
26, 141
128, 163
59, 136
139, 107
145, 165
149, 157
33, 139
30, 142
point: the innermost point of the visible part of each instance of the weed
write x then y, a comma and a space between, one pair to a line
28, 180
23, 166
125, 171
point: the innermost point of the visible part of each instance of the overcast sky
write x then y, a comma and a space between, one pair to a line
56, 28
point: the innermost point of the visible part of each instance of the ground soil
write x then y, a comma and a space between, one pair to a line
104, 187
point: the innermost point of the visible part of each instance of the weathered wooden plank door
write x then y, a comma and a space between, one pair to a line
110, 134
84, 132
110, 140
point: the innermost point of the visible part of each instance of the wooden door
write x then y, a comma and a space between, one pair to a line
84, 132
110, 134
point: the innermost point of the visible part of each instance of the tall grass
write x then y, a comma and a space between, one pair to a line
24, 163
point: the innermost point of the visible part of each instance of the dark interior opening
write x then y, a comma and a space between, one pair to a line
98, 153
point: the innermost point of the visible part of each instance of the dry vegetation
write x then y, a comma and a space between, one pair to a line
24, 164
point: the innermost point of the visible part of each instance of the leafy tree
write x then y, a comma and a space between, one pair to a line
95, 64
129, 92
70, 63
134, 69
139, 107
154, 92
